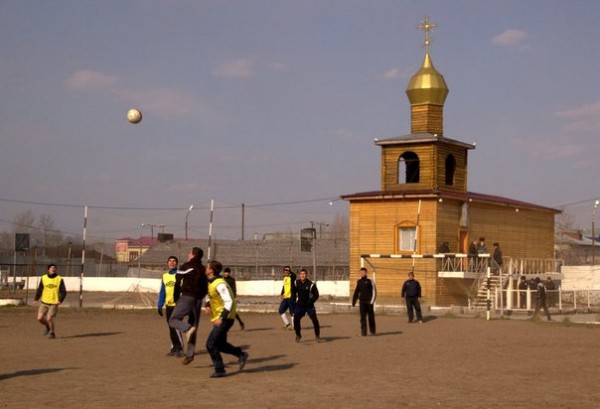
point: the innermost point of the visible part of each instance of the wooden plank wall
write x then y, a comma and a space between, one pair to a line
373, 224
389, 167
460, 175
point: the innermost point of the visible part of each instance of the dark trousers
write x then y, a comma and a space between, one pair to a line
176, 342
186, 306
413, 302
299, 312
541, 303
239, 319
217, 343
367, 310
287, 304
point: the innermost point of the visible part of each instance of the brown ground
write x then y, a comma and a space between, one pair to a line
116, 359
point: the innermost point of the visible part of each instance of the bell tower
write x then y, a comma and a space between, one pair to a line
425, 160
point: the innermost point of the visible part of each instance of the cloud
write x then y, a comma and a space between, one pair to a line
165, 102
510, 38
86, 80
242, 68
345, 134
548, 150
393, 74
279, 67
584, 118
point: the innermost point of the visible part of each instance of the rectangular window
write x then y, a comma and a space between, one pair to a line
406, 238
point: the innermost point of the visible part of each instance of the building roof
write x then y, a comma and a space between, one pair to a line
422, 138
329, 252
442, 194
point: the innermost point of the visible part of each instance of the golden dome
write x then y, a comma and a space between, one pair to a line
427, 86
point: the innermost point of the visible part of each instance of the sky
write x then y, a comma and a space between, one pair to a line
275, 104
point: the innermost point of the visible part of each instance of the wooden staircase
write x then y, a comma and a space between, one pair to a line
480, 298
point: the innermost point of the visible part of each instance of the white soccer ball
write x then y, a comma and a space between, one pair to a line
134, 116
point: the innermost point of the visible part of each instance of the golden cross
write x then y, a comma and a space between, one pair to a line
427, 27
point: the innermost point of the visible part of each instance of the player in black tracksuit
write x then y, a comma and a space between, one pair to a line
411, 292
366, 293
306, 296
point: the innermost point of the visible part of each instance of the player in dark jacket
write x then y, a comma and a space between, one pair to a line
366, 293
306, 296
411, 292
191, 286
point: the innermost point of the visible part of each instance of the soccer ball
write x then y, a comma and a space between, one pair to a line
134, 116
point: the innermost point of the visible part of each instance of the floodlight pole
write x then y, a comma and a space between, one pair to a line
596, 203
186, 221
85, 212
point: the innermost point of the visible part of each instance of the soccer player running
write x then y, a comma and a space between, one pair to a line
190, 289
306, 296
288, 297
226, 274
50, 293
222, 307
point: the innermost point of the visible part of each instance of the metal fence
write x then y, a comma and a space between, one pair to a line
561, 300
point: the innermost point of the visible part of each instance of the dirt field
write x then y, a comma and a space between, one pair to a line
116, 359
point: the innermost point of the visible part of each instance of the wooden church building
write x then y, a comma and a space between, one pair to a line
424, 202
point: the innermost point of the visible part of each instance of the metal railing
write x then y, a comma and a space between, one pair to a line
561, 300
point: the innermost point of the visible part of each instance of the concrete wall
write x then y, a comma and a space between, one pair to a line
580, 278
244, 288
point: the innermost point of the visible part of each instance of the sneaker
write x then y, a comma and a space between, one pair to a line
242, 360
298, 338
287, 326
319, 339
218, 374
187, 360
189, 333
51, 335
420, 321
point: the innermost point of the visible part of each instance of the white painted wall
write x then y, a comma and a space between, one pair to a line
580, 278
244, 288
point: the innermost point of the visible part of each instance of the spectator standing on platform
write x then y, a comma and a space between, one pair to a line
444, 248
365, 293
166, 298
50, 293
411, 292
523, 286
540, 299
497, 259
226, 274
481, 246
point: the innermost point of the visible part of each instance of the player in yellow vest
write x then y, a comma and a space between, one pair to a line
166, 298
288, 297
50, 293
221, 306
